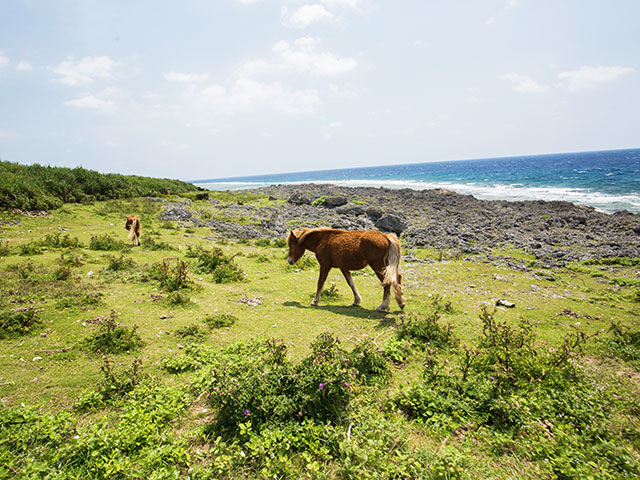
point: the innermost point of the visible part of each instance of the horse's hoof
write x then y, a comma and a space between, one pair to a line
314, 304
382, 308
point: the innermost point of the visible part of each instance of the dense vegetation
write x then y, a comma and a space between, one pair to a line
37, 187
197, 357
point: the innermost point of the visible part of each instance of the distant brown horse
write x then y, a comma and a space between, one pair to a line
351, 250
133, 225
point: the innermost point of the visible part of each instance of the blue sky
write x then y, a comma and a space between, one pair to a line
215, 88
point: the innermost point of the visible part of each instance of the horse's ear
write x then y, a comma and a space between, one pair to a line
292, 233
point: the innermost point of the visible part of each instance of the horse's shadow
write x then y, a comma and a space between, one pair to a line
351, 311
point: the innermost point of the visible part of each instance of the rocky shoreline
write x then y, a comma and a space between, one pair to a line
556, 233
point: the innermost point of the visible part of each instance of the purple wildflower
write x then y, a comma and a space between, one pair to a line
321, 386
246, 412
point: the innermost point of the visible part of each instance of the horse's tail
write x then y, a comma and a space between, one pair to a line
392, 271
134, 229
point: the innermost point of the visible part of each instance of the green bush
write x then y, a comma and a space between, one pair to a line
534, 400
4, 249
397, 350
57, 241
112, 337
172, 276
255, 383
215, 262
105, 242
31, 248
70, 259
195, 357
623, 342
19, 321
114, 385
37, 187
178, 298
193, 332
425, 331
371, 365
220, 320
120, 263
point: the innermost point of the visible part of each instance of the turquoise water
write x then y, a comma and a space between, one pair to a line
606, 180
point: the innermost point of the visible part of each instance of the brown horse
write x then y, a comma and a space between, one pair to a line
133, 225
351, 250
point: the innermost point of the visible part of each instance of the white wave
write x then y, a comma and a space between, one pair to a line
514, 192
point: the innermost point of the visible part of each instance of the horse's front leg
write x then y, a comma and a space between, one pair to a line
324, 271
356, 296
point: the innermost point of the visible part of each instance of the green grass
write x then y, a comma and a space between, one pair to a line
73, 289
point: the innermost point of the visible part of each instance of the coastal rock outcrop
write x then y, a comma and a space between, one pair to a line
555, 233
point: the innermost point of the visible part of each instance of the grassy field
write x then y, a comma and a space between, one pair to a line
121, 362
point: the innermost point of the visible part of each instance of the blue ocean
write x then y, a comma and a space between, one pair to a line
606, 180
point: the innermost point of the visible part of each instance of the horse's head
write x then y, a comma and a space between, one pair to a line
127, 225
295, 249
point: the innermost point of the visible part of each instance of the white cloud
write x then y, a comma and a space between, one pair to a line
306, 15
247, 95
301, 57
354, 4
104, 102
524, 84
24, 66
588, 77
7, 134
186, 77
84, 71
3, 59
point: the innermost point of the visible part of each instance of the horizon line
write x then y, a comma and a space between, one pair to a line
227, 179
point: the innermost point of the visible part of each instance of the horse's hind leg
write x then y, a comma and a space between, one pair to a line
324, 271
386, 296
356, 296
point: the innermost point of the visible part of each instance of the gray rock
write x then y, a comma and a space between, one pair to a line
350, 209
335, 201
299, 199
175, 211
391, 223
374, 212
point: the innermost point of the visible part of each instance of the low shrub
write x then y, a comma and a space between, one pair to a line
117, 264
424, 332
215, 262
371, 365
535, 401
172, 276
114, 385
19, 321
263, 242
106, 243
177, 298
5, 250
193, 332
70, 259
62, 273
397, 350
255, 383
31, 248
220, 320
57, 241
112, 337
194, 357
623, 342
80, 300
151, 244
305, 263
